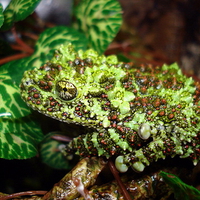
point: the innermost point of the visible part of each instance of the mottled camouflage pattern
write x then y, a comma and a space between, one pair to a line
139, 113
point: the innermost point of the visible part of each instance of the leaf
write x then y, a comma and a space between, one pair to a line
10, 99
1, 15
19, 135
99, 21
52, 38
123, 58
19, 138
18, 10
181, 190
50, 153
16, 68
48, 42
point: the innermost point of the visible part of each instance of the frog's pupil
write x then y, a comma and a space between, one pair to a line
66, 90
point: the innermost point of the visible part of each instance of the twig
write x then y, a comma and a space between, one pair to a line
17, 47
21, 43
62, 138
10, 196
121, 185
30, 35
13, 57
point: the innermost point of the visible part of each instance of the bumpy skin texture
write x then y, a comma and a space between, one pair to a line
138, 113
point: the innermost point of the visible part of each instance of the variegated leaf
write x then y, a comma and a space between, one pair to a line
52, 38
1, 15
11, 103
19, 138
18, 10
19, 135
50, 153
99, 21
181, 190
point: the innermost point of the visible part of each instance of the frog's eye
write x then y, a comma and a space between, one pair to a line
66, 90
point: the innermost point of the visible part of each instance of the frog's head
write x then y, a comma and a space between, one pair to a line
74, 87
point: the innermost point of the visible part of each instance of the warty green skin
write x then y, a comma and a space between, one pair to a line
138, 113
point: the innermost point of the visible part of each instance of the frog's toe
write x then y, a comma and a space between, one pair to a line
120, 164
138, 166
144, 131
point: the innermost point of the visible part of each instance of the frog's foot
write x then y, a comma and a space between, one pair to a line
122, 164
142, 157
155, 150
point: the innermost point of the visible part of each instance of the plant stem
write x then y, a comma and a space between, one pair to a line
13, 57
26, 48
10, 196
118, 179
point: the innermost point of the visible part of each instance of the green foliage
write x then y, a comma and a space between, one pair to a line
18, 10
15, 73
99, 21
46, 45
50, 153
20, 134
1, 15
19, 138
181, 190
10, 98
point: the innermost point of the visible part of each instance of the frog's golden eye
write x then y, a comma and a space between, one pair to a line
66, 90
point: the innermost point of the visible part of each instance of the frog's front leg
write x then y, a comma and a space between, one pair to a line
155, 150
107, 142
